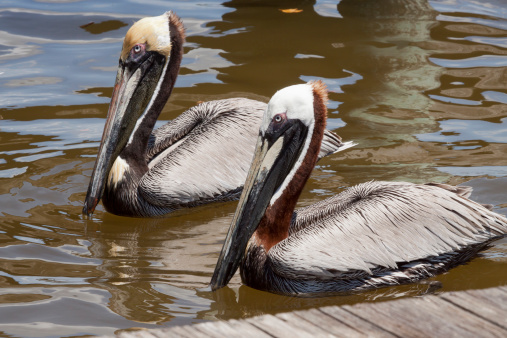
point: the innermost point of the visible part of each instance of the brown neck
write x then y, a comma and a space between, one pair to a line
274, 226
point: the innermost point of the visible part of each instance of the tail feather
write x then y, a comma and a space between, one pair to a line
462, 191
332, 143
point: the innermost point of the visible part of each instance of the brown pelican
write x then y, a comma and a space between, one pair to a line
201, 156
372, 235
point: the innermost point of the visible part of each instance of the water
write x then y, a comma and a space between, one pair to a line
421, 86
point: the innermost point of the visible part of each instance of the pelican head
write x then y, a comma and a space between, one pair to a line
148, 67
289, 139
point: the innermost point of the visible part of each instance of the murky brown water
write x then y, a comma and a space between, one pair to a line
421, 86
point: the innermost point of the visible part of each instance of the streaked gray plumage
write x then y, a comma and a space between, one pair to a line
372, 235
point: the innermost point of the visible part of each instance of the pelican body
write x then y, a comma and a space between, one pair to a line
202, 156
372, 235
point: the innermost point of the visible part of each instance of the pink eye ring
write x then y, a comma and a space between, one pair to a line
279, 118
138, 48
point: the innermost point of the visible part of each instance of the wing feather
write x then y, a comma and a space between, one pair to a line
379, 225
207, 155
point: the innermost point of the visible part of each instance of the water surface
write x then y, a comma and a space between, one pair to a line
420, 86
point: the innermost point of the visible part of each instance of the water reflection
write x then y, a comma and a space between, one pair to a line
421, 86
246, 302
150, 266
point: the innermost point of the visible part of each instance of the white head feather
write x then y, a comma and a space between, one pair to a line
296, 101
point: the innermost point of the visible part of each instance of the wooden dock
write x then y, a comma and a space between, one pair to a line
473, 313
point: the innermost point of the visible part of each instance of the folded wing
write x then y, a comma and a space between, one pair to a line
379, 225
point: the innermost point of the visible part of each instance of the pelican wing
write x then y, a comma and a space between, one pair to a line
207, 153
380, 225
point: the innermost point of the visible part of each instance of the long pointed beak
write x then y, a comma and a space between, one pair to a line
271, 164
243, 227
110, 145
135, 85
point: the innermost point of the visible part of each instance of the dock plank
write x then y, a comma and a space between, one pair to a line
421, 317
459, 318
139, 334
328, 323
491, 306
277, 327
247, 330
298, 324
362, 326
179, 332
216, 329
386, 317
186, 331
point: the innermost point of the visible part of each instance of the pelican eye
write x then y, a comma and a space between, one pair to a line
137, 52
279, 118
137, 49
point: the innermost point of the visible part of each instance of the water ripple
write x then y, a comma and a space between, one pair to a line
473, 62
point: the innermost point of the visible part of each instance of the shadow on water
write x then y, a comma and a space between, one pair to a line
419, 85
